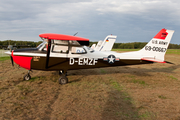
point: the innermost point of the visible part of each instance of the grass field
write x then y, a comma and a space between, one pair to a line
4, 58
2, 54
141, 92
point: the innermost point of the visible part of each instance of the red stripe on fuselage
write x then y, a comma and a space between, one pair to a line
22, 61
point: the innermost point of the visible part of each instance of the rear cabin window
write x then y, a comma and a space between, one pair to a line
78, 50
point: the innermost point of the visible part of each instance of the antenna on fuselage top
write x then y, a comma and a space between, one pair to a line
75, 34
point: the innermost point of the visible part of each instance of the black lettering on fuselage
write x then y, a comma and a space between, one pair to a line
83, 61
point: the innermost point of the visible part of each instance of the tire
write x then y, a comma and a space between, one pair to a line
27, 77
63, 80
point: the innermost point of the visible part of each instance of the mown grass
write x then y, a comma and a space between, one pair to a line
173, 51
146, 115
169, 51
136, 81
5, 58
162, 97
172, 77
116, 85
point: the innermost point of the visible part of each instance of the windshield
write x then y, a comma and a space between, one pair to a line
90, 49
40, 45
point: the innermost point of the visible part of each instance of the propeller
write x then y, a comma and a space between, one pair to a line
12, 61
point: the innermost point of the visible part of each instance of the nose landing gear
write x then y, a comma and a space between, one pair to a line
27, 76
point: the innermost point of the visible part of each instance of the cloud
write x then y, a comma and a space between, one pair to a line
93, 19
144, 8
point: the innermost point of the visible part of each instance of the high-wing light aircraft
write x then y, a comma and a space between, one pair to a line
58, 53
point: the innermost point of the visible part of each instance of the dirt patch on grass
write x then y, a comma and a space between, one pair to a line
128, 92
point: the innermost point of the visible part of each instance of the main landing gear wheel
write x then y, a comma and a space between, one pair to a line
27, 77
63, 80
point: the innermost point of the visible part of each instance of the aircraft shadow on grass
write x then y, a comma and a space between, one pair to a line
119, 106
135, 71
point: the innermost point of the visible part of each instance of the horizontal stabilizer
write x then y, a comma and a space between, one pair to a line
153, 60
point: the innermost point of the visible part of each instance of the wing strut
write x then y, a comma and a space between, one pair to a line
48, 53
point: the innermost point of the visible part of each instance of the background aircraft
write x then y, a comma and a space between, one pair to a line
105, 45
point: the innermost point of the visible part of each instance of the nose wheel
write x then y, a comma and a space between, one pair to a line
27, 76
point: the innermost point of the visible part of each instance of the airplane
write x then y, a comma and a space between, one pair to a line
105, 45
93, 46
58, 53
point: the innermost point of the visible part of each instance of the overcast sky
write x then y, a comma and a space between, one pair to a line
130, 20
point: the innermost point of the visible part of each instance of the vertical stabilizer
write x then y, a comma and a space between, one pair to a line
107, 44
157, 47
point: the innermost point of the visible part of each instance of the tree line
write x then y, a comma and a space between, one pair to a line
133, 45
136, 45
19, 43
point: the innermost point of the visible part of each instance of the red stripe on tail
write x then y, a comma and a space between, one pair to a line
161, 35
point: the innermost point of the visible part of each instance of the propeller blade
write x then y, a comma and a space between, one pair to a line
12, 61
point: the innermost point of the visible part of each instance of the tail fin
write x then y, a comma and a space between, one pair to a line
107, 44
98, 46
157, 47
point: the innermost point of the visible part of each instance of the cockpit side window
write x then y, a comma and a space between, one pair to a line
59, 46
60, 49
